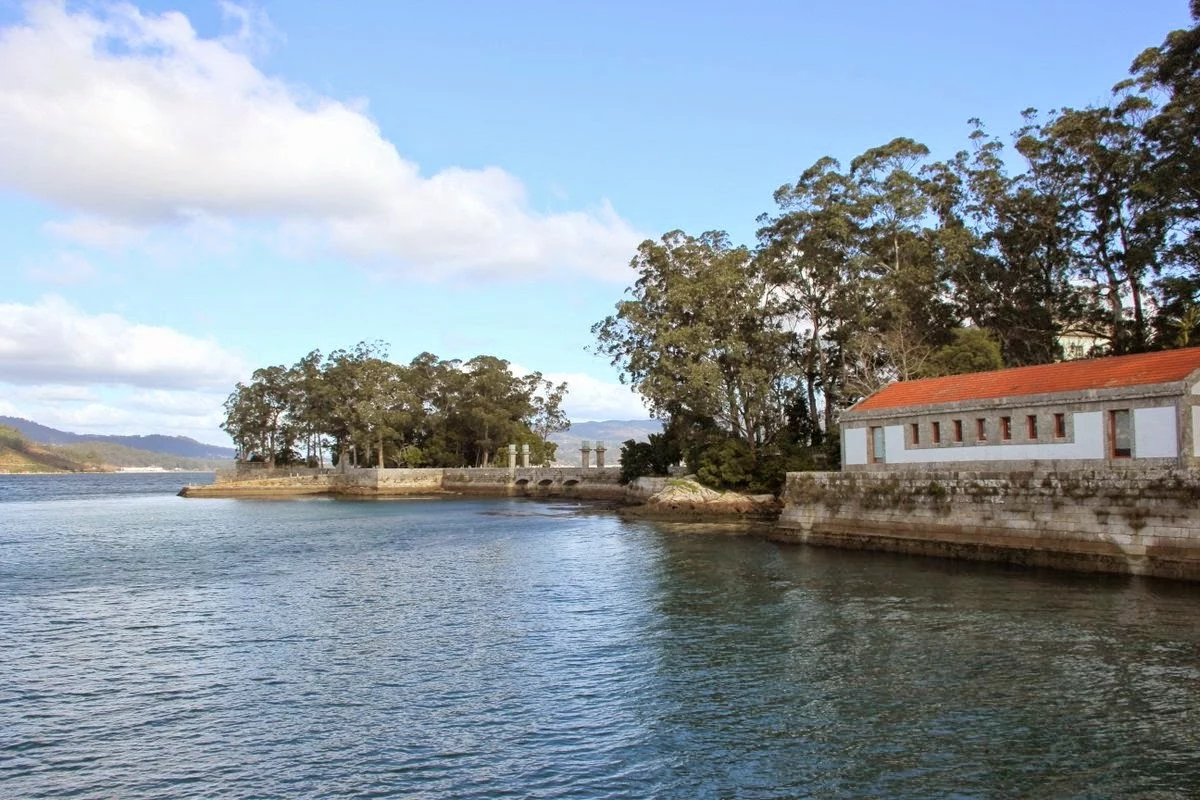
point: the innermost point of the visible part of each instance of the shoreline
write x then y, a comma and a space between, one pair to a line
1134, 523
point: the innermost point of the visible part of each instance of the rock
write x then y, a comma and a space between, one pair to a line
684, 497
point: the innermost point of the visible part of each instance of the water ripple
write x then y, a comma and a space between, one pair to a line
158, 647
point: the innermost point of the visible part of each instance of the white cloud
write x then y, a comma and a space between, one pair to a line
67, 270
54, 342
95, 232
590, 399
133, 120
54, 394
113, 413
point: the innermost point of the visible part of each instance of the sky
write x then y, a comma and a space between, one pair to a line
193, 190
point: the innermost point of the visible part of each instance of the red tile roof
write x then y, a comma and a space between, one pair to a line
1070, 376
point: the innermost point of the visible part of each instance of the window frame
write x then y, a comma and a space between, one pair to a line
1113, 450
874, 456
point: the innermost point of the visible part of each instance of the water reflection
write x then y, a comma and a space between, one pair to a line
156, 646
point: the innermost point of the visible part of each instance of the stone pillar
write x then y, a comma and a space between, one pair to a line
525, 456
585, 451
600, 448
512, 456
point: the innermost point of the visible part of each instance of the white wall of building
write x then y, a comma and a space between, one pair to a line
855, 440
1155, 433
1196, 430
1089, 443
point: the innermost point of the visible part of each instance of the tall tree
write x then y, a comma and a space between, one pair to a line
702, 336
809, 251
1103, 164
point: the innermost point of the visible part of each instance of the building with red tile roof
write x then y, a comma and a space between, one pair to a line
1114, 412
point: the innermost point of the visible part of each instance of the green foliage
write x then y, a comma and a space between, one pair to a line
902, 267
703, 335
973, 350
725, 463
370, 411
655, 457
11, 437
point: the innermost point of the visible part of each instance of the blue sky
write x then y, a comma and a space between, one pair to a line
191, 190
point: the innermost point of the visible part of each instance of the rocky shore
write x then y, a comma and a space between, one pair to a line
685, 498
679, 499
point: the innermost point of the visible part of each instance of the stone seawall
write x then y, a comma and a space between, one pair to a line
1144, 523
584, 484
264, 487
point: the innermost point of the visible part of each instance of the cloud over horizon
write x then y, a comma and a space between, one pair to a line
131, 121
53, 342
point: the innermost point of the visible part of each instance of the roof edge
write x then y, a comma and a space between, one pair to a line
1020, 400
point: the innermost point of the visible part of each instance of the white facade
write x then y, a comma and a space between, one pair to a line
1155, 435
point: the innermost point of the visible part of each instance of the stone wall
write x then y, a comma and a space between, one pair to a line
584, 484
1143, 523
391, 482
254, 470
322, 483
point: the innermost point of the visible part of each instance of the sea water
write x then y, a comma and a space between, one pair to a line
154, 646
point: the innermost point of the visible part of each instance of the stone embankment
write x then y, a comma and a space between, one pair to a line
1140, 523
675, 498
1143, 522
587, 484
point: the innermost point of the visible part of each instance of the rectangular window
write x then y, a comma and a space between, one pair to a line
937, 433
981, 429
1031, 425
1060, 426
1120, 433
1006, 428
916, 432
877, 448
958, 430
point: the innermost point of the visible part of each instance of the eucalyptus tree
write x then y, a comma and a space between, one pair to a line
1104, 163
906, 297
493, 407
246, 420
702, 336
809, 251
547, 416
309, 404
1006, 248
349, 411
1172, 72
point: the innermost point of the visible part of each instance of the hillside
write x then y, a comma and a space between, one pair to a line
118, 456
18, 454
155, 443
611, 432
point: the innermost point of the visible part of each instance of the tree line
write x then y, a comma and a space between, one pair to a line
1084, 230
362, 408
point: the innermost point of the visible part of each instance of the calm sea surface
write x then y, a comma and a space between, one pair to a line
152, 646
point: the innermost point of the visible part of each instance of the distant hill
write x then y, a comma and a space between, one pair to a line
18, 454
612, 432
180, 446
